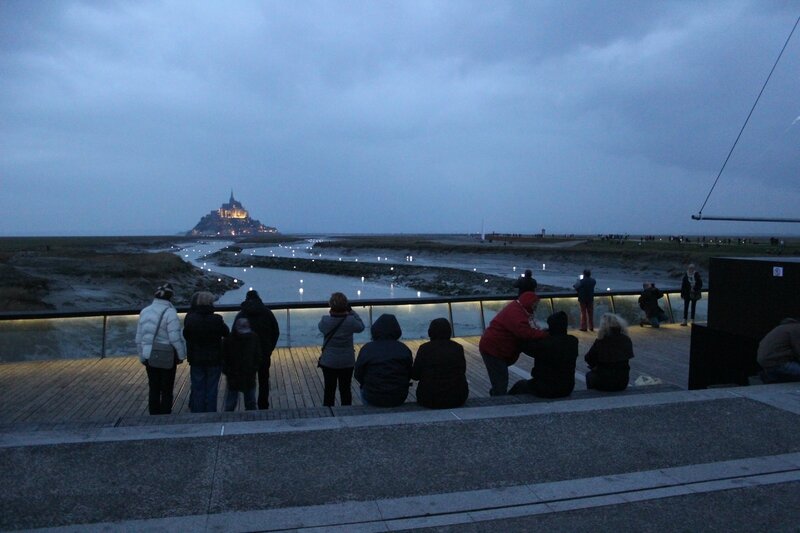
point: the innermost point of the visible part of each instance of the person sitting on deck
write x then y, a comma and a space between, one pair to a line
440, 368
609, 355
383, 367
779, 353
648, 302
525, 283
553, 373
500, 343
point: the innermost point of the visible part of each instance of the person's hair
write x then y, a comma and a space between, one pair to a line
202, 298
587, 272
611, 323
528, 273
252, 294
338, 302
164, 292
690, 266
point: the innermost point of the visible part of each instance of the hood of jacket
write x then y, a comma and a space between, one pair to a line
439, 329
527, 300
386, 328
254, 306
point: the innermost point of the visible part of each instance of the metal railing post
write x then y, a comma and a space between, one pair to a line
483, 320
450, 316
105, 329
288, 329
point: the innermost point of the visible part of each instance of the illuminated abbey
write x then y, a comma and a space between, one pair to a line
231, 219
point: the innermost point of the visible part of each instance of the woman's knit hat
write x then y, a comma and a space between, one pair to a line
164, 292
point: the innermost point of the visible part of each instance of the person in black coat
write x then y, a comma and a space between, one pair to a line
691, 285
383, 367
585, 289
204, 330
440, 368
553, 373
648, 302
241, 359
263, 323
525, 283
609, 355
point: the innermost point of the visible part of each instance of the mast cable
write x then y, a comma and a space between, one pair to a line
700, 213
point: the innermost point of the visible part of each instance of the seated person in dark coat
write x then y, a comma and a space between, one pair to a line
441, 369
608, 357
648, 302
383, 367
553, 373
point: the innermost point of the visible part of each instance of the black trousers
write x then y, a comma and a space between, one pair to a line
341, 376
263, 385
161, 381
686, 304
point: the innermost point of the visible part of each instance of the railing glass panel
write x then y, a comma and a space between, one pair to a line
628, 308
466, 319
121, 335
62, 338
701, 311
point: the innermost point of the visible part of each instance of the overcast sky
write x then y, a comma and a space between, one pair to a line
397, 116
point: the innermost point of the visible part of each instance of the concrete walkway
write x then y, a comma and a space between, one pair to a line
720, 459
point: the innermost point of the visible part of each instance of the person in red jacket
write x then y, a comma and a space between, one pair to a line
505, 337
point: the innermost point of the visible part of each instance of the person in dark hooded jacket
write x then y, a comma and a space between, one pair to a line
440, 368
553, 372
204, 330
383, 367
241, 359
263, 323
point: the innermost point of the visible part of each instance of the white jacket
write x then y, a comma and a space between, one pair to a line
168, 333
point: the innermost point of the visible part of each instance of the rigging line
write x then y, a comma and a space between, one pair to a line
750, 114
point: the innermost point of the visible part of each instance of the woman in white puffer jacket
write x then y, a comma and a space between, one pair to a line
161, 381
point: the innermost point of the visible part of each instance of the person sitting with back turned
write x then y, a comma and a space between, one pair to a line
609, 355
525, 283
500, 343
383, 367
553, 373
440, 368
779, 353
648, 302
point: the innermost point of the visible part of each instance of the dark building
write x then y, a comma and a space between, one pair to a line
231, 219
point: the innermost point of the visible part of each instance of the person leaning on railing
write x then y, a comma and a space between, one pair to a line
162, 316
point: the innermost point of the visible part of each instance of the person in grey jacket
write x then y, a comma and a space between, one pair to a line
338, 354
159, 322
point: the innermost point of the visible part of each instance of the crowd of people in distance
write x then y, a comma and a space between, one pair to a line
385, 368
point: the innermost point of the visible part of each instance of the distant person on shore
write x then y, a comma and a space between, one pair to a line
159, 323
263, 323
585, 289
609, 355
242, 356
553, 372
525, 283
383, 367
502, 341
691, 285
338, 354
441, 369
204, 330
648, 302
779, 353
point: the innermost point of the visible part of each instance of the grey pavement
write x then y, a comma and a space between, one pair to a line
512, 466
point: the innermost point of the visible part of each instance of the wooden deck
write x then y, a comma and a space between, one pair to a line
104, 389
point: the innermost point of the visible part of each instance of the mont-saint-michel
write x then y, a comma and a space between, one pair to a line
230, 220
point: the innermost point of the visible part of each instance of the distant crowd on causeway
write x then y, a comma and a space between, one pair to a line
385, 367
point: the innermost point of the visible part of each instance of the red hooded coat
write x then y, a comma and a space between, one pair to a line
511, 325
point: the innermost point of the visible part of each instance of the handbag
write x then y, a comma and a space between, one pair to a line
161, 355
328, 337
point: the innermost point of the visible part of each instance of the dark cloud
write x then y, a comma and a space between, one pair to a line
131, 117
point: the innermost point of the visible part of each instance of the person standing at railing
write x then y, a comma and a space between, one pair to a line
263, 323
159, 323
525, 283
585, 289
338, 353
241, 359
691, 285
204, 330
501, 343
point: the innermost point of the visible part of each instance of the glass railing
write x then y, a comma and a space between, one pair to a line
55, 335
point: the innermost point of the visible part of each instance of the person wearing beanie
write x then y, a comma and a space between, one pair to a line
204, 330
158, 322
338, 352
553, 373
263, 323
440, 368
500, 343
